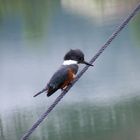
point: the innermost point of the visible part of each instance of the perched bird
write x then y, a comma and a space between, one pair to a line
66, 73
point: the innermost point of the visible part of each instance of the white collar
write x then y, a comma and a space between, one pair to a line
69, 62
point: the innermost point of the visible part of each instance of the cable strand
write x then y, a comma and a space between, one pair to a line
58, 99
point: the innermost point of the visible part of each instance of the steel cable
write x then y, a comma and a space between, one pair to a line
110, 39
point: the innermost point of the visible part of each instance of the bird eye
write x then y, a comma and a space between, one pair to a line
81, 59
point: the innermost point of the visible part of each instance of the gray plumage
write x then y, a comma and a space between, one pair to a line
59, 77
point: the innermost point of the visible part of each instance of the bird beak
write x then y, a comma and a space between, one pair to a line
84, 62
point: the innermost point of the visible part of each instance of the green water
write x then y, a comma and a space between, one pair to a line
77, 121
34, 36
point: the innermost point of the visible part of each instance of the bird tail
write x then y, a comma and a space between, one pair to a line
43, 90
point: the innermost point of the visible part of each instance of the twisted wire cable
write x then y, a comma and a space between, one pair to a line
58, 99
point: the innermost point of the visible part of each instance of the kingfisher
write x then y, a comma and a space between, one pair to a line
66, 73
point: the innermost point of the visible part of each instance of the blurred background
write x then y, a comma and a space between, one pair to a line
34, 36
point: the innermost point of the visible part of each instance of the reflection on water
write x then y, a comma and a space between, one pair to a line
25, 18
98, 10
34, 36
77, 121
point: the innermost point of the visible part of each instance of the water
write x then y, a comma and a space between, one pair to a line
34, 36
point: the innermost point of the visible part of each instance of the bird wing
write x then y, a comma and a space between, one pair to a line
57, 80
